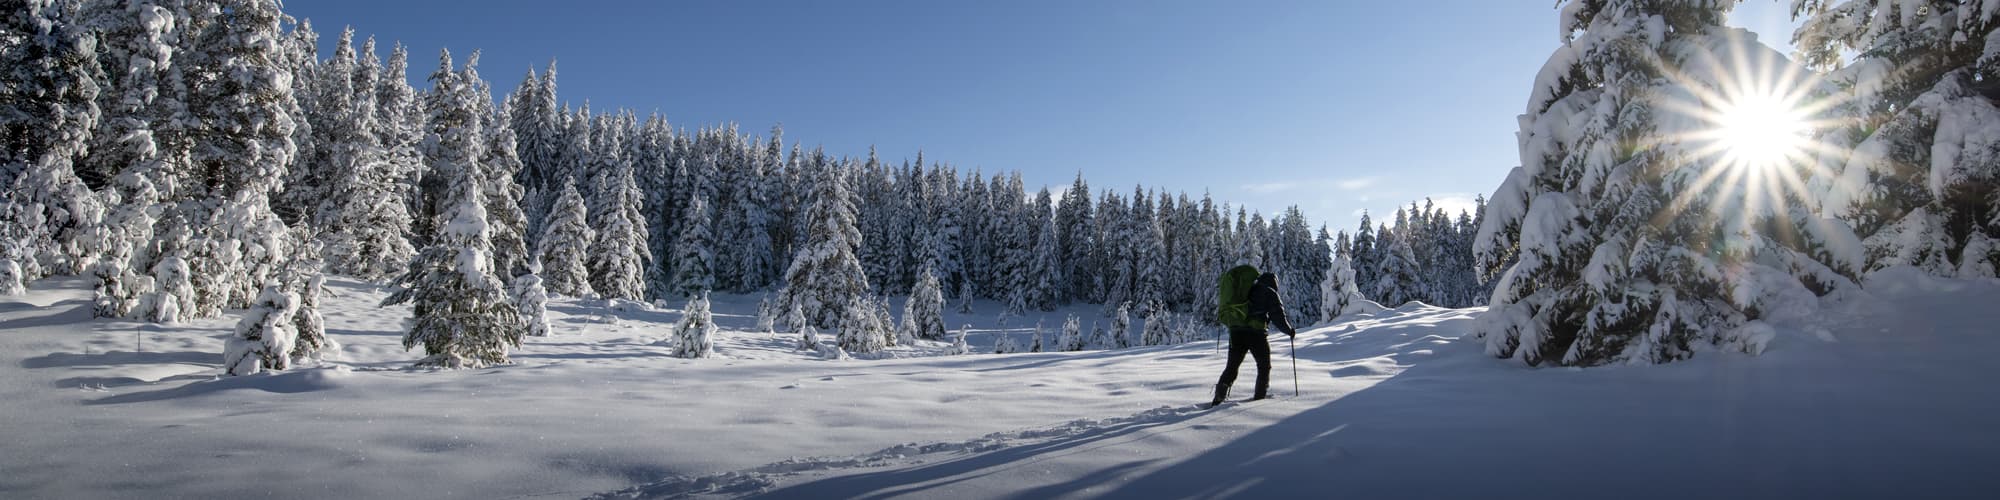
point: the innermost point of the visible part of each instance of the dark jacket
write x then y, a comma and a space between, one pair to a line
1264, 303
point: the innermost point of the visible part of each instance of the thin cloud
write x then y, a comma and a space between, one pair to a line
1355, 184
1270, 187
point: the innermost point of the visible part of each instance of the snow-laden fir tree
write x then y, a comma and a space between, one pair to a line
885, 322
694, 251
10, 278
958, 346
923, 313
694, 336
860, 331
173, 300
825, 277
531, 303
1158, 328
1338, 290
302, 278
265, 336
1072, 335
795, 318
463, 316
1627, 253
243, 146
1098, 339
48, 108
1398, 278
1914, 164
1036, 345
767, 315
1004, 344
507, 224
1121, 326
809, 339
564, 244
364, 225
618, 257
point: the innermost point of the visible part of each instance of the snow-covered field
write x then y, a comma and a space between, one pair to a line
1895, 398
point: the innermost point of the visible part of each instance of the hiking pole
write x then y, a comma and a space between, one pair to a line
1294, 340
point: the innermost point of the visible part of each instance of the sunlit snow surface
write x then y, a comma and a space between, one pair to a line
1894, 398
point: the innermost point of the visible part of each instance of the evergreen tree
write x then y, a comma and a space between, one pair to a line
1364, 257
464, 318
825, 275
1913, 164
958, 347
48, 109
860, 330
531, 304
693, 337
1072, 335
923, 313
1121, 327
563, 244
1622, 244
693, 251
1338, 290
618, 256
264, 337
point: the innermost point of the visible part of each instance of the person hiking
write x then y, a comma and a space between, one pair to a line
1249, 314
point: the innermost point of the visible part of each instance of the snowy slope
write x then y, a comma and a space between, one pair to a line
1893, 400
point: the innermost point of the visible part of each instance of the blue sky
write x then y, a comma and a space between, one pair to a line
1334, 106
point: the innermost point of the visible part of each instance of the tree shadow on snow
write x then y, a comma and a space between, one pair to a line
1459, 424
66, 312
69, 359
921, 480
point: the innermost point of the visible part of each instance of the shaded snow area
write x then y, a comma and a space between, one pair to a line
1890, 395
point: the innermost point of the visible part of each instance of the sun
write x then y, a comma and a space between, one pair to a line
1758, 130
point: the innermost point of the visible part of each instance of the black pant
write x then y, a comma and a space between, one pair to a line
1255, 344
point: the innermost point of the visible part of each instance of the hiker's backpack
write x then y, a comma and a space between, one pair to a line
1233, 299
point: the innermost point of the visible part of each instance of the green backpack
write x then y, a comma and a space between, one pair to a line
1233, 299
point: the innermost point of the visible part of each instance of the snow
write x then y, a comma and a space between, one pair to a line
1391, 403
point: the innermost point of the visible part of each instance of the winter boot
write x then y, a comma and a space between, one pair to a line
1221, 393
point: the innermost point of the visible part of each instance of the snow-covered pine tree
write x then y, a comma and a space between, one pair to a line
824, 275
1338, 290
1363, 255
1099, 339
48, 109
795, 318
173, 300
303, 278
694, 252
243, 146
10, 278
1399, 278
860, 330
1626, 252
1072, 335
363, 227
923, 313
1121, 327
265, 336
506, 223
1046, 270
694, 336
1005, 344
564, 243
885, 322
531, 303
1914, 165
618, 257
401, 122
809, 338
1156, 330
767, 315
958, 346
463, 316
1036, 345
